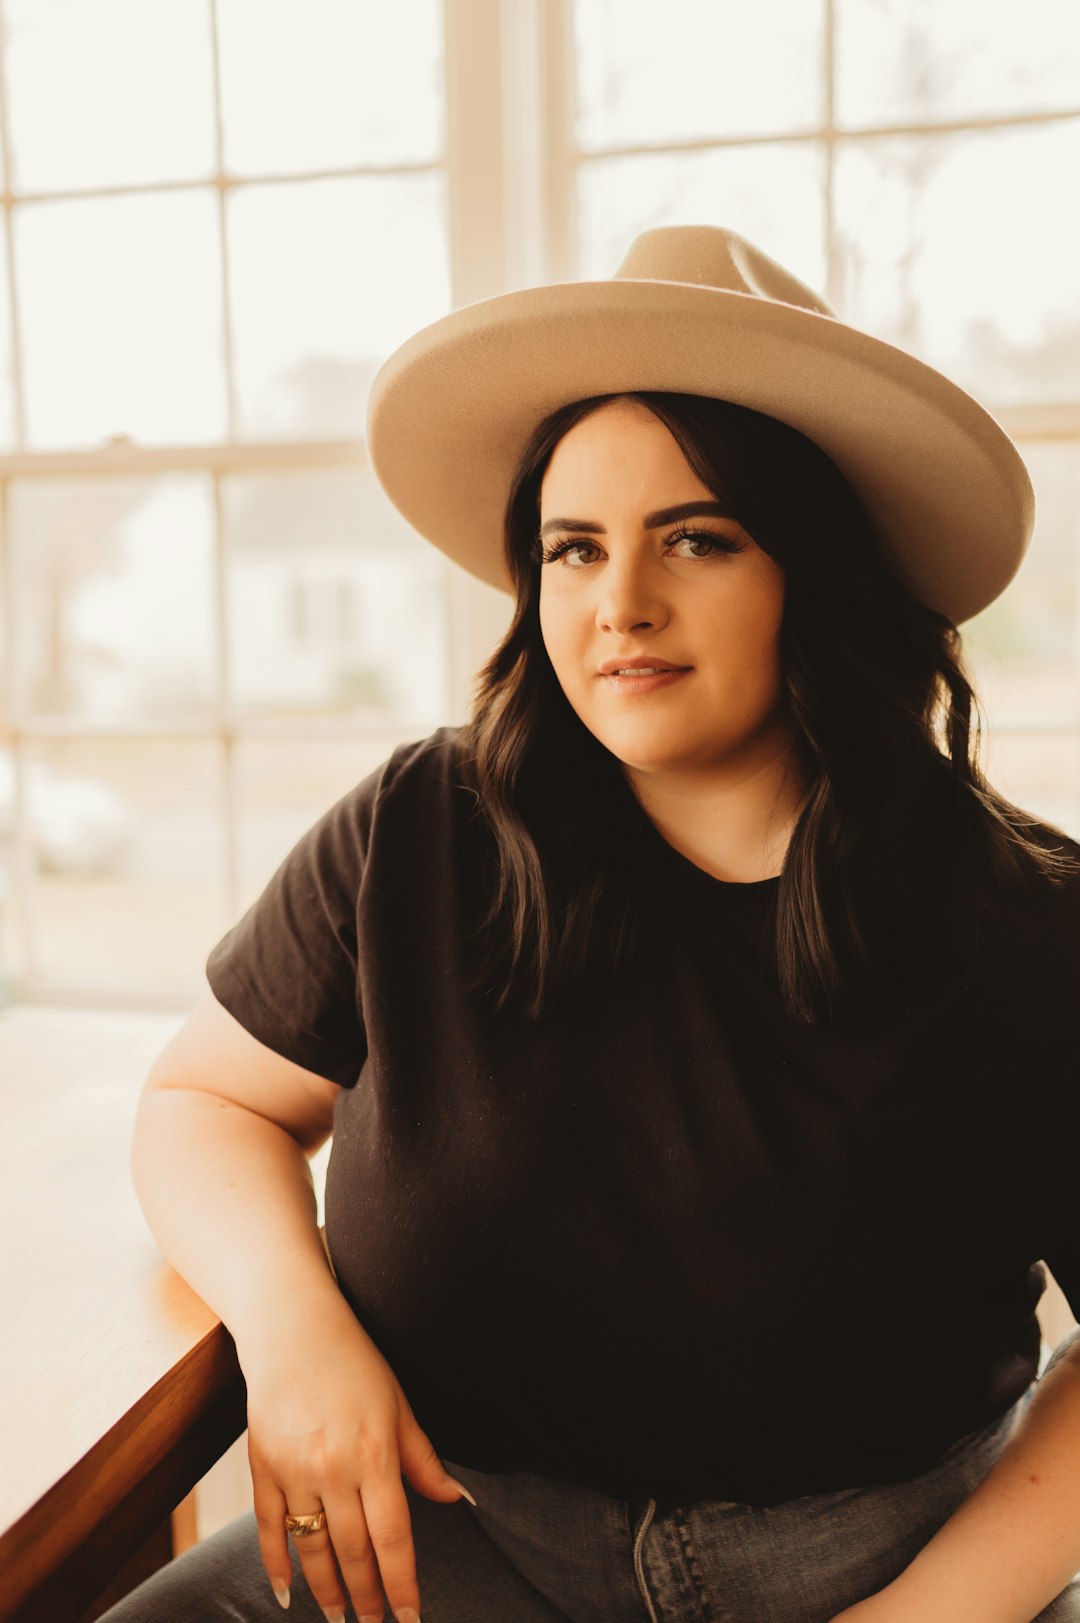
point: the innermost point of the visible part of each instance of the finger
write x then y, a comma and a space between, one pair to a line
355, 1554
315, 1552
270, 1513
389, 1525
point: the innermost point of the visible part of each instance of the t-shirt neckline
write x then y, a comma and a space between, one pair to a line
750, 890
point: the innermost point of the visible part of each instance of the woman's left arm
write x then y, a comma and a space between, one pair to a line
1014, 1543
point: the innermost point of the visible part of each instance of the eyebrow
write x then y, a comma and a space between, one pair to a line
663, 515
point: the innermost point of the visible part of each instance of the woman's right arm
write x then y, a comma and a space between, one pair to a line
220, 1165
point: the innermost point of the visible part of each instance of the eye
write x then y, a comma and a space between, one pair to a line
548, 555
712, 539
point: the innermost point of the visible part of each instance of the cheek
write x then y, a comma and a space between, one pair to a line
753, 629
761, 647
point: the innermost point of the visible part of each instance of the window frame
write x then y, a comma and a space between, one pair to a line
511, 165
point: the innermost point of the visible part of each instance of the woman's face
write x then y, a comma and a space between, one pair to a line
632, 585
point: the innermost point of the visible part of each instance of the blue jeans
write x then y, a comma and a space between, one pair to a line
536, 1550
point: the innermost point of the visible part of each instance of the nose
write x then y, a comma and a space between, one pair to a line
630, 594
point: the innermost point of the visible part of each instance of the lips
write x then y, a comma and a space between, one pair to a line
641, 680
639, 663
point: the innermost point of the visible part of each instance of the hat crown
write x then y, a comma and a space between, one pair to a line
712, 256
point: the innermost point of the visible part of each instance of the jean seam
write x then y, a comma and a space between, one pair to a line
639, 1567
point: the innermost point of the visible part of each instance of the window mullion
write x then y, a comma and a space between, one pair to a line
222, 712
476, 160
223, 236
558, 66
834, 291
227, 771
125, 456
9, 254
22, 847
474, 149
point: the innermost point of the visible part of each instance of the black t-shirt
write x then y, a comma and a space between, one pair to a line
669, 1242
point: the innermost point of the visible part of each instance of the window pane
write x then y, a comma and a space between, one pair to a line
694, 71
773, 195
114, 583
129, 882
913, 60
337, 608
935, 236
108, 92
327, 277
10, 966
5, 651
310, 84
120, 302
1040, 772
281, 789
7, 388
1023, 649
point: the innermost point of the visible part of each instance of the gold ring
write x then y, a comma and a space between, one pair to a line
306, 1524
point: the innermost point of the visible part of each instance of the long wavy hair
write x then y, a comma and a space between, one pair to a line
902, 850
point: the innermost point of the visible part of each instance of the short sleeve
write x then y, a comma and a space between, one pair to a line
287, 970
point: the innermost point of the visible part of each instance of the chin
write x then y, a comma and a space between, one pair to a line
639, 758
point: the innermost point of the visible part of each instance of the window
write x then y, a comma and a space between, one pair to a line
219, 217
914, 162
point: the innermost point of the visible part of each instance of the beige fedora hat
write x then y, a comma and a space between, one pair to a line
697, 309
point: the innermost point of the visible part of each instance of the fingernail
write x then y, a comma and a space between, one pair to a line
281, 1591
407, 1615
333, 1614
454, 1483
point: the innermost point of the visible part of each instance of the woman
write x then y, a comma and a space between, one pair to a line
698, 1043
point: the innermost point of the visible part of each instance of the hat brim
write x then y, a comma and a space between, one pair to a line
451, 410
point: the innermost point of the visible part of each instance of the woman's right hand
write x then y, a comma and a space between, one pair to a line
330, 1428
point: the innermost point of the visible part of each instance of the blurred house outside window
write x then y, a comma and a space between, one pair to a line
221, 215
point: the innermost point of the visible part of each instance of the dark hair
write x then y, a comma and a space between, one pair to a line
901, 847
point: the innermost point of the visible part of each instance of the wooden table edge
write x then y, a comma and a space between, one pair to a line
59, 1556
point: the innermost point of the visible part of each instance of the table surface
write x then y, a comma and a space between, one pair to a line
98, 1313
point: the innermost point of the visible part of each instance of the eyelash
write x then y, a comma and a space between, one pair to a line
722, 543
